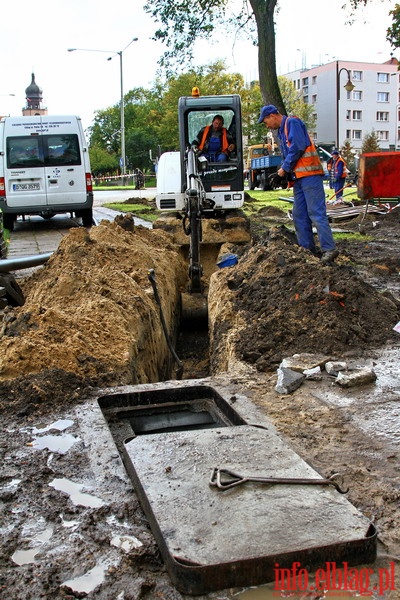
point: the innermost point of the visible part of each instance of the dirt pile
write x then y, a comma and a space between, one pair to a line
280, 300
91, 309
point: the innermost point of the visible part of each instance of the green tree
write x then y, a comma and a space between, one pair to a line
348, 153
370, 143
393, 32
102, 161
183, 22
295, 104
212, 79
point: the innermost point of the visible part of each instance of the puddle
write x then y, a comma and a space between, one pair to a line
88, 582
74, 491
55, 443
24, 557
60, 425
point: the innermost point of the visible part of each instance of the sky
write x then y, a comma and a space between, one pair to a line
35, 38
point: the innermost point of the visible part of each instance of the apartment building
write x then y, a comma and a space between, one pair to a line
352, 99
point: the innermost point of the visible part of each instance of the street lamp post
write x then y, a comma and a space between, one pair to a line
122, 105
349, 87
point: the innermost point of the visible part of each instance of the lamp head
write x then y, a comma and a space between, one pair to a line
349, 87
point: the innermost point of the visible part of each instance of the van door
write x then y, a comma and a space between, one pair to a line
64, 172
26, 177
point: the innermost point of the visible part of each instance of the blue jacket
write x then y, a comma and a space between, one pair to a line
299, 140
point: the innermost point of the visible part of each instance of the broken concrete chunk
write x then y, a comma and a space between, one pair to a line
314, 373
359, 377
300, 362
333, 367
288, 380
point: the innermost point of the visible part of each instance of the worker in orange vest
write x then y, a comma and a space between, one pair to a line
214, 141
339, 175
302, 165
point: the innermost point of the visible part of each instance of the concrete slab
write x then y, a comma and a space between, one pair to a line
212, 539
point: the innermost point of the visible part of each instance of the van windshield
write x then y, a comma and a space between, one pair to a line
42, 151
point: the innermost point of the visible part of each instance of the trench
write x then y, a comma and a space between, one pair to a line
191, 340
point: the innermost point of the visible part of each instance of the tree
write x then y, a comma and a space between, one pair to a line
393, 32
295, 104
102, 161
370, 143
348, 154
184, 22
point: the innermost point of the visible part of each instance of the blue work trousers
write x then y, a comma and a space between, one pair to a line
338, 187
309, 209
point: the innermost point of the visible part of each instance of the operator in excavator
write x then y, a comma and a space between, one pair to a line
214, 141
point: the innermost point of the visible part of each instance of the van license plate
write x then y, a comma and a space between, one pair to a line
17, 187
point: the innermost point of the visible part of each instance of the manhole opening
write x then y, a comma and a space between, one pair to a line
167, 410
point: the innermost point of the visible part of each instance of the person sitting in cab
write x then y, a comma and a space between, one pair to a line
214, 141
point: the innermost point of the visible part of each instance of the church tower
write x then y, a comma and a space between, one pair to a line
34, 98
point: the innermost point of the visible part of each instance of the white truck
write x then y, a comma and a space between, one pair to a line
44, 168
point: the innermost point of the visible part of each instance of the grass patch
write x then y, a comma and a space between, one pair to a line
143, 211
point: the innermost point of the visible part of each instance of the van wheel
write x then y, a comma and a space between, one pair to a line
14, 293
8, 221
87, 217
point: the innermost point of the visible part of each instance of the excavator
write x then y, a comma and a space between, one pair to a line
205, 197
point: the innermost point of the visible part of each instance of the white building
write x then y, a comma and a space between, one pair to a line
372, 105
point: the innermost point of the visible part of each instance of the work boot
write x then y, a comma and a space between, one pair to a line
329, 256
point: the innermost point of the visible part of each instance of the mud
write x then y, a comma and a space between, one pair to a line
91, 324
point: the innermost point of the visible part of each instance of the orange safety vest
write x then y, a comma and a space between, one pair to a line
224, 138
309, 163
344, 167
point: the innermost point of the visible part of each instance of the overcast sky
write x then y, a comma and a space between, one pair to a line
35, 38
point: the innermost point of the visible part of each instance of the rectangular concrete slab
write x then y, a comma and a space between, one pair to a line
212, 539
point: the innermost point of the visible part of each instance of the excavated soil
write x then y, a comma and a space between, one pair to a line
91, 323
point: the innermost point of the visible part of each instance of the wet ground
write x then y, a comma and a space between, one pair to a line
71, 523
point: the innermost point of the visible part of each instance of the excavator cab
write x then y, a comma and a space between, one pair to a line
222, 181
205, 191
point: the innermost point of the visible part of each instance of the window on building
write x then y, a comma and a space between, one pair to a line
382, 135
357, 76
314, 135
357, 115
382, 115
305, 89
305, 99
383, 77
348, 134
305, 81
314, 99
314, 79
382, 97
357, 134
357, 95
348, 115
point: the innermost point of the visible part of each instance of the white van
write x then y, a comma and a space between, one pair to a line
44, 168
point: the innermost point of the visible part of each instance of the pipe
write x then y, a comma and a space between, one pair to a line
24, 262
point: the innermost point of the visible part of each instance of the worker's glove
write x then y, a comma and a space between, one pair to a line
195, 148
275, 180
